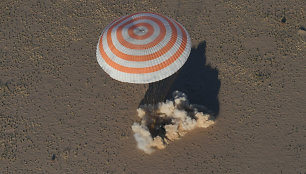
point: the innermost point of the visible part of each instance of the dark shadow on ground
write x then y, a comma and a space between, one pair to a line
196, 79
199, 81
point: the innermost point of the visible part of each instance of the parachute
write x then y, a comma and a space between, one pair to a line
143, 48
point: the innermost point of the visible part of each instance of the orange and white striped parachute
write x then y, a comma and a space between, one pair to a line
143, 48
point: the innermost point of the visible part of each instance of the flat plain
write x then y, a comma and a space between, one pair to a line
61, 113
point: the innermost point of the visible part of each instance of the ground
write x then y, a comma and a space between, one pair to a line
61, 113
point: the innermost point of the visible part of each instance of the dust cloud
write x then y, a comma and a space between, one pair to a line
165, 122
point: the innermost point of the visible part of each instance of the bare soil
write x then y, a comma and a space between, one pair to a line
61, 113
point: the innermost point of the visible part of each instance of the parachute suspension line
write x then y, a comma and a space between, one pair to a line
157, 89
153, 92
164, 93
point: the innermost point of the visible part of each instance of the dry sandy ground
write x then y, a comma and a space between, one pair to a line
61, 113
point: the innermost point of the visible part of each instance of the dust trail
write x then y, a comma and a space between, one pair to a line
165, 122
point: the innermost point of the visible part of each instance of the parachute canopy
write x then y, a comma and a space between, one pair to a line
143, 48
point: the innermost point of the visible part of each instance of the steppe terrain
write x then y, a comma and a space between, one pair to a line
61, 113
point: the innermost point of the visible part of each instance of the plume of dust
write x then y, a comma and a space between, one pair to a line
168, 121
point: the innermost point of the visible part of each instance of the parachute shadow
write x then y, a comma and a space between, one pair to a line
196, 79
199, 81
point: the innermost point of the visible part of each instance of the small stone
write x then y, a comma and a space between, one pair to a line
302, 31
284, 19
